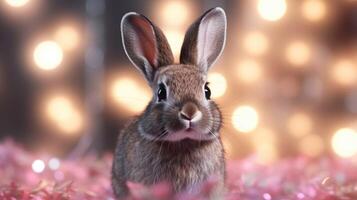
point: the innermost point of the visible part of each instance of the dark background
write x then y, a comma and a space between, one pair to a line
21, 90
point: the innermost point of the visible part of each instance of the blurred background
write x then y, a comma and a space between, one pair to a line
286, 81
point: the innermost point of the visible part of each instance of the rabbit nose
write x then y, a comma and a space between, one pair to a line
190, 112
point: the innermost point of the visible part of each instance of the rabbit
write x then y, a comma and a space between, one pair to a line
176, 139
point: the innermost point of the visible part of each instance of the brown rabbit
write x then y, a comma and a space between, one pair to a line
177, 137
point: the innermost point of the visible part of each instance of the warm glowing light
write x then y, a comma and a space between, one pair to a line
38, 166
48, 55
54, 163
265, 148
74, 123
217, 84
249, 71
298, 53
256, 43
68, 37
63, 113
129, 95
344, 72
272, 10
245, 119
314, 10
175, 39
344, 142
299, 124
59, 108
175, 13
17, 3
311, 145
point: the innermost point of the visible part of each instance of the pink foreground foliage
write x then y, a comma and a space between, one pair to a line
89, 178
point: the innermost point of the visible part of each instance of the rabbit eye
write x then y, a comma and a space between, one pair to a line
207, 92
161, 93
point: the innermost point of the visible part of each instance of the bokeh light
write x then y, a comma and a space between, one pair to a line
249, 71
298, 53
48, 55
255, 43
311, 145
63, 113
257, 74
265, 149
174, 13
272, 10
68, 37
344, 142
17, 3
299, 124
314, 10
175, 39
129, 95
58, 108
344, 72
217, 84
245, 118
38, 166
54, 163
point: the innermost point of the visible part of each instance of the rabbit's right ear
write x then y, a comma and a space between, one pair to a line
205, 39
145, 44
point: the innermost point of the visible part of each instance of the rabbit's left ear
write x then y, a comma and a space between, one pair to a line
145, 44
205, 39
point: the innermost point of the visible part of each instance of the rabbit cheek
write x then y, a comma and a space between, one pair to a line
216, 117
152, 125
209, 125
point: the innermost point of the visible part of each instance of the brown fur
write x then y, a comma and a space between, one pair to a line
160, 145
183, 163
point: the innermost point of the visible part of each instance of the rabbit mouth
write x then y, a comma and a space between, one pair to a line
188, 133
189, 129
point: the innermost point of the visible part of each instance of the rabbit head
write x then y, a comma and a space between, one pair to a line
181, 107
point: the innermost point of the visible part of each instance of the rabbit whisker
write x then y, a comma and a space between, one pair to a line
161, 135
213, 134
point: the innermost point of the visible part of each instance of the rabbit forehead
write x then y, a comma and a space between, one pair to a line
182, 79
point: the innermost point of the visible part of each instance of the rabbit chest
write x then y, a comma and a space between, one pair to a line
182, 164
